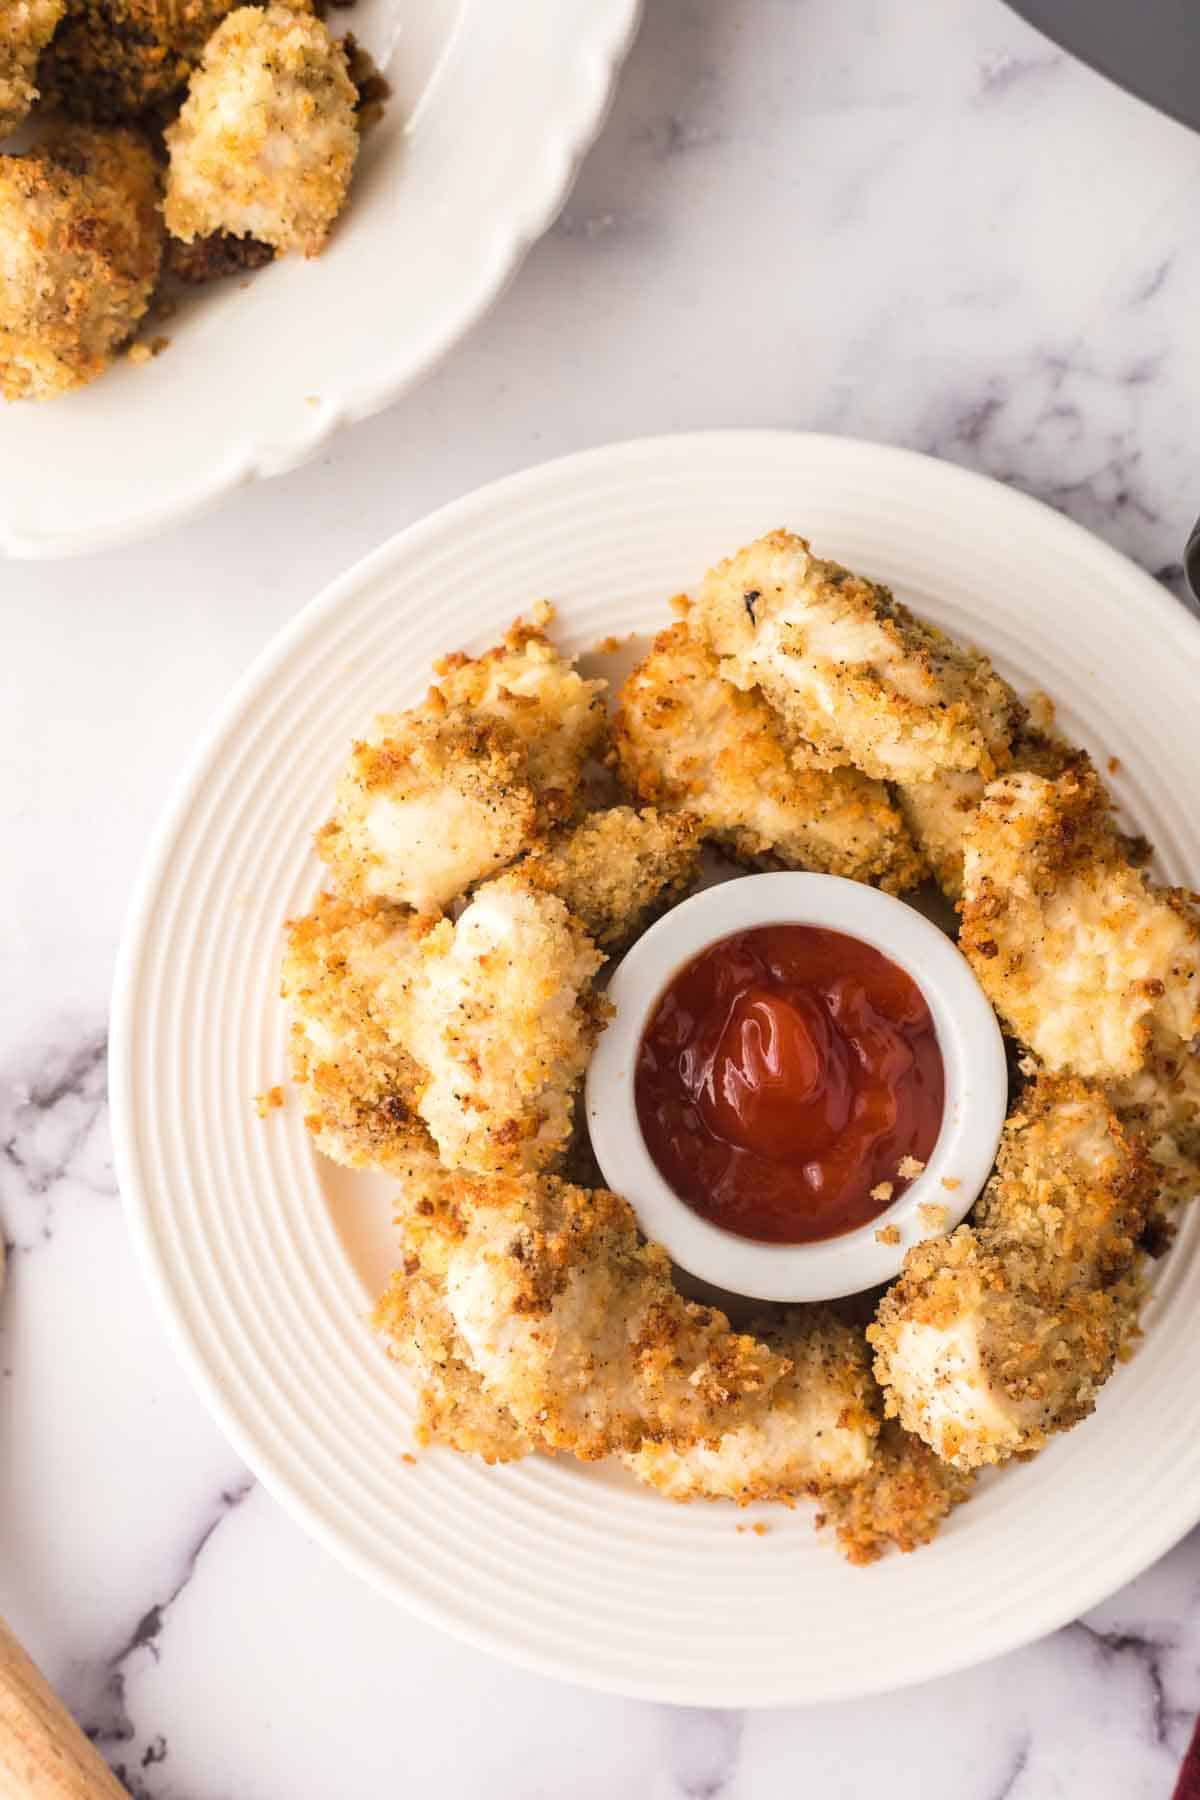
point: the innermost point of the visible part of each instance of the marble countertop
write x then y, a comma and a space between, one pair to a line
918, 223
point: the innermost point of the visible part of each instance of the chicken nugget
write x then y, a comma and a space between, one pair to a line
114, 61
571, 1321
938, 811
267, 139
83, 245
618, 869
499, 1013
454, 1406
528, 685
26, 27
899, 1501
449, 792
1085, 960
812, 1431
1002, 1334
685, 737
851, 669
428, 805
360, 1086
1162, 1103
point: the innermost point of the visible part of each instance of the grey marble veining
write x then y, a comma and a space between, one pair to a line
919, 224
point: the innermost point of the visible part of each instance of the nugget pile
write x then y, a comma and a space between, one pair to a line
187, 135
444, 1002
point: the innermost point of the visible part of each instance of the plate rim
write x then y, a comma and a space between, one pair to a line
613, 27
1166, 612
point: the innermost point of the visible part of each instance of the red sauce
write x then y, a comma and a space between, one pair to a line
784, 1073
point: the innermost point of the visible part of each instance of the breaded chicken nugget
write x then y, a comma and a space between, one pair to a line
266, 141
813, 1430
26, 27
938, 811
428, 805
527, 684
449, 792
81, 248
114, 60
1162, 1102
1002, 1334
687, 738
572, 1322
899, 1500
454, 1407
361, 1086
1084, 959
851, 669
500, 1015
618, 869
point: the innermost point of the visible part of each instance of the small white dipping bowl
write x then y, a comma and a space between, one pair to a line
968, 1038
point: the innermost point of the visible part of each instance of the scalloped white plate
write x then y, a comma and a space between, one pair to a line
265, 1259
492, 108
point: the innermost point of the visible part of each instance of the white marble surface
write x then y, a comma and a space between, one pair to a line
918, 223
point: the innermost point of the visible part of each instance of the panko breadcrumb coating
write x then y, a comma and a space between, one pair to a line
938, 811
428, 805
898, 1501
571, 1321
528, 685
499, 1013
1085, 960
449, 792
115, 60
361, 1086
266, 141
454, 1407
26, 27
1002, 1334
812, 1431
685, 737
852, 670
1162, 1102
80, 248
618, 869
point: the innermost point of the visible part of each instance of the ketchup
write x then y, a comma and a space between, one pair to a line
785, 1073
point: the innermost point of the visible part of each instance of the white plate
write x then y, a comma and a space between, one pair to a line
494, 103
265, 1259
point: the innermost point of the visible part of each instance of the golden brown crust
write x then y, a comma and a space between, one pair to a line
572, 1323
1001, 1335
83, 248
812, 1431
361, 1088
617, 870
448, 793
939, 811
454, 1408
1085, 960
429, 805
26, 27
527, 684
898, 1503
854, 672
267, 139
1161, 1103
686, 738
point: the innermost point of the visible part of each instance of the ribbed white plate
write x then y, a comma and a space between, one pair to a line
265, 1260
493, 104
